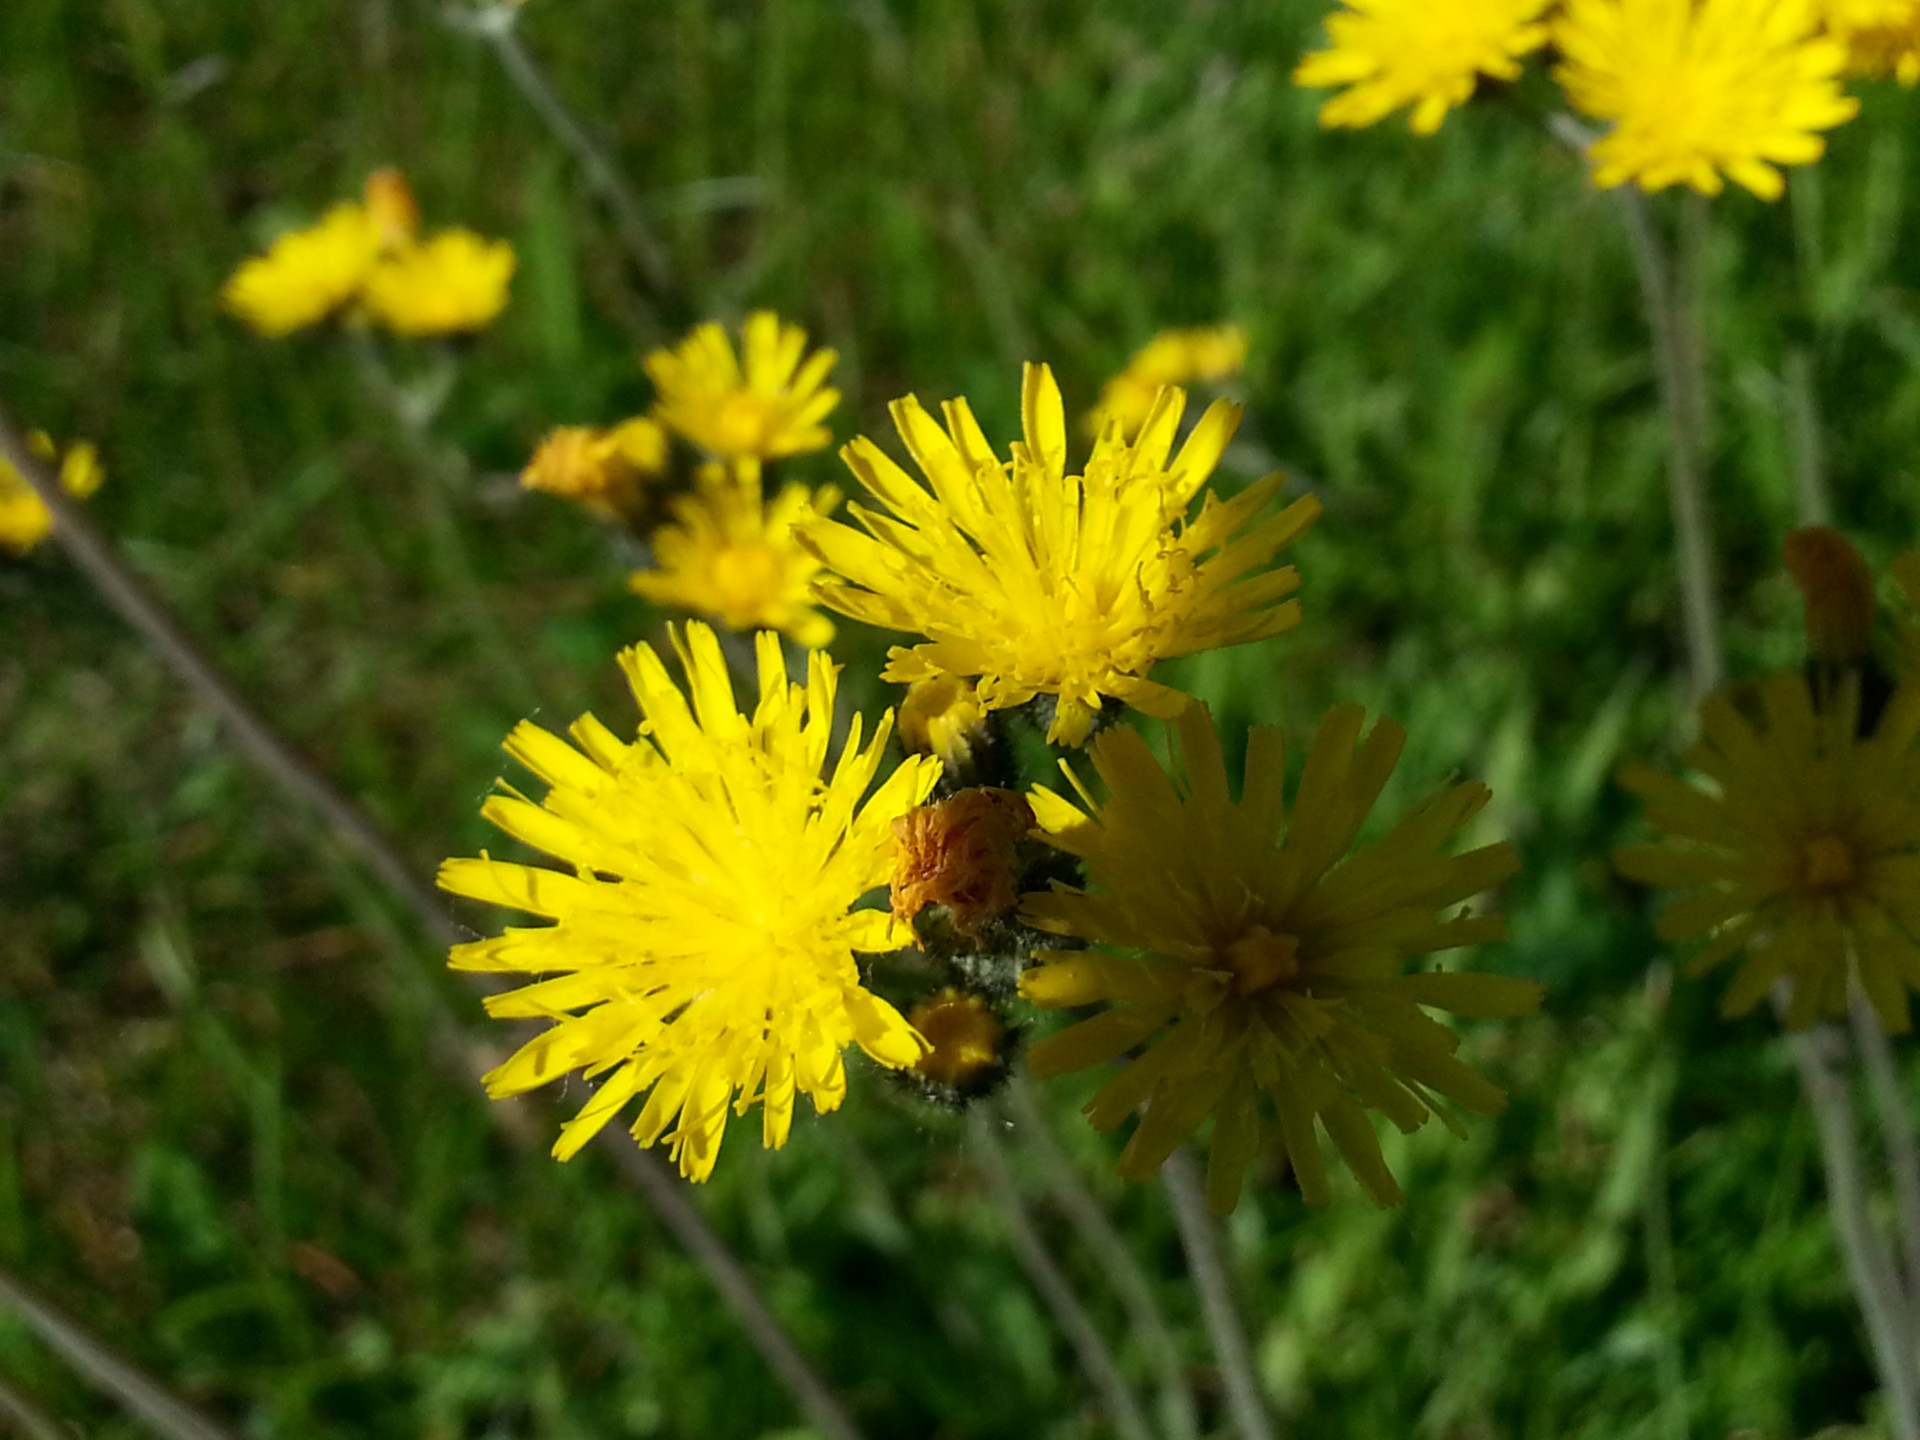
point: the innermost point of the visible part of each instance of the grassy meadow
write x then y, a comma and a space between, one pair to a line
226, 1143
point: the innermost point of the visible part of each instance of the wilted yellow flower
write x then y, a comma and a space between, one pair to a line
943, 716
966, 1039
449, 283
1429, 54
1173, 357
737, 559
307, 275
762, 405
1041, 582
1697, 89
605, 470
703, 937
962, 853
1255, 957
24, 518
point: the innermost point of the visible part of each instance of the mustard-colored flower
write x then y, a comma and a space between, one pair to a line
943, 716
449, 283
737, 559
24, 518
307, 275
1173, 357
766, 403
966, 1040
604, 470
1882, 36
1698, 89
704, 931
1258, 961
1429, 54
1041, 582
390, 203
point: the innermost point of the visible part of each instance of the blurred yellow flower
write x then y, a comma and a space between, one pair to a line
24, 518
604, 470
735, 558
307, 275
1040, 582
1256, 960
1882, 36
966, 1039
762, 405
1173, 357
1698, 89
394, 211
704, 932
453, 281
1429, 54
943, 716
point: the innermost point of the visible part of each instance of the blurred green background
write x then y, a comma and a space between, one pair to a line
224, 1142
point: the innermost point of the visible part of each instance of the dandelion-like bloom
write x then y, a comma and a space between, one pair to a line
736, 558
1882, 36
450, 283
1173, 357
307, 275
1037, 581
24, 518
765, 403
1429, 54
604, 470
1253, 956
704, 931
1697, 89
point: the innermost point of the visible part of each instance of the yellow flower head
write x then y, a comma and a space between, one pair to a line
762, 405
1038, 581
24, 518
448, 284
943, 716
1173, 357
703, 937
604, 470
307, 275
736, 558
1700, 88
966, 1039
1803, 850
389, 200
1255, 957
1429, 54
1882, 36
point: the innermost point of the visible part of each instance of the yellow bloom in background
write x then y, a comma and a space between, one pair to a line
450, 283
604, 470
1173, 357
24, 518
1882, 36
737, 559
1429, 54
1035, 581
703, 937
765, 403
943, 716
1258, 961
307, 275
1698, 89
389, 201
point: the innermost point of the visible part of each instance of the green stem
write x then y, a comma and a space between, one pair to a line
1201, 1238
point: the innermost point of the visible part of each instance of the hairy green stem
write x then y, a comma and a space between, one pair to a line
1200, 1236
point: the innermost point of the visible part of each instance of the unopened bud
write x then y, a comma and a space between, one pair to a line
963, 853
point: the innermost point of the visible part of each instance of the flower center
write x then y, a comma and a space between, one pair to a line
746, 578
1260, 958
744, 423
1827, 863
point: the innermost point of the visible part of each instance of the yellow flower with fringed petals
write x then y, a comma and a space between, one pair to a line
1429, 54
766, 403
1173, 357
24, 518
604, 470
704, 934
1040, 582
1256, 960
307, 275
736, 558
450, 283
1698, 89
1882, 36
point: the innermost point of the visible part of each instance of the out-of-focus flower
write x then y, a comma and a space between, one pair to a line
24, 518
1254, 962
765, 403
307, 275
1428, 54
450, 283
943, 716
391, 206
962, 853
966, 1040
704, 933
1882, 36
1035, 581
1173, 357
1700, 89
604, 470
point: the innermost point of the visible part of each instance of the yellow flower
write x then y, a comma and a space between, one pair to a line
24, 518
389, 200
1701, 88
1429, 54
1255, 957
1882, 36
1804, 852
604, 470
451, 282
704, 932
733, 557
1173, 357
761, 406
943, 716
966, 1039
307, 275
1041, 582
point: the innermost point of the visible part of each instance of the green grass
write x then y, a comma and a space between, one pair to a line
224, 1142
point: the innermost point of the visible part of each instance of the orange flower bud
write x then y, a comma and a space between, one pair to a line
963, 853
